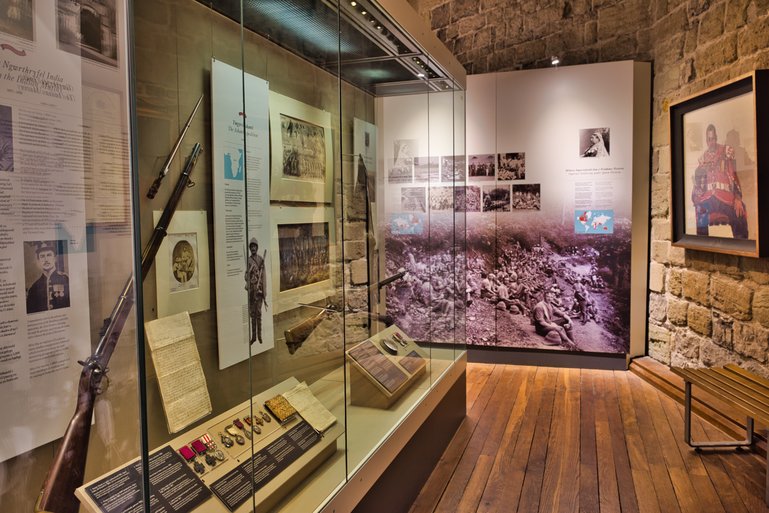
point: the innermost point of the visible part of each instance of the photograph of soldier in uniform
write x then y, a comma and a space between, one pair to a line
496, 198
413, 199
304, 254
45, 270
594, 142
511, 166
6, 138
304, 149
481, 167
16, 18
526, 197
184, 262
426, 169
442, 198
89, 28
256, 285
453, 168
467, 198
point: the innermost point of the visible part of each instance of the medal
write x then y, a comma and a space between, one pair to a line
238, 423
257, 430
211, 460
258, 420
219, 455
199, 447
187, 453
231, 430
226, 440
266, 416
240, 440
198, 467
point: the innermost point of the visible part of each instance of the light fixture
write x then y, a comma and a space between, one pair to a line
353, 3
363, 13
554, 60
420, 75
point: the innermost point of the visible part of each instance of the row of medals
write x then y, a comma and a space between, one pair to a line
208, 449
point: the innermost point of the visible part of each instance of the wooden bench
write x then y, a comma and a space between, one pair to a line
742, 389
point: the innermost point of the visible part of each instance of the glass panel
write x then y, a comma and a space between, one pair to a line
66, 252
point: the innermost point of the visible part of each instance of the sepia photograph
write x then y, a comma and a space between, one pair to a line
511, 166
398, 174
413, 199
481, 167
426, 169
304, 254
467, 198
184, 261
6, 138
496, 198
594, 142
453, 168
304, 149
16, 18
526, 197
89, 28
46, 275
442, 198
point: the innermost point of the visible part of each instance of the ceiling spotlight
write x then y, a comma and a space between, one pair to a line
420, 75
353, 3
363, 13
554, 60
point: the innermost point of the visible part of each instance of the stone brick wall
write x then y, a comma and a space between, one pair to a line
704, 308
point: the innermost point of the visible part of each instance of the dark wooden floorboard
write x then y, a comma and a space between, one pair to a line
540, 439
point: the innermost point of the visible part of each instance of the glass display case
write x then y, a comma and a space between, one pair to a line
239, 228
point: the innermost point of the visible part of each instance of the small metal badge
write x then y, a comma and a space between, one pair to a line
266, 416
198, 467
226, 440
240, 440
211, 460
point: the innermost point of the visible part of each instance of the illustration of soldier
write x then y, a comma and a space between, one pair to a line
256, 285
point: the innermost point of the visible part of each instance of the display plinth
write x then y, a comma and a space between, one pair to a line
383, 367
241, 464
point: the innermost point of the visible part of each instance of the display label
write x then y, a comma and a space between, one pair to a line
378, 365
174, 487
238, 485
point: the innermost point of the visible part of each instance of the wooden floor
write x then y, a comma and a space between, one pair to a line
569, 440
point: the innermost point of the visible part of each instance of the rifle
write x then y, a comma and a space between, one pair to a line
167, 164
67, 471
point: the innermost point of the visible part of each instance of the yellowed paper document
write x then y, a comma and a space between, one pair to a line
308, 406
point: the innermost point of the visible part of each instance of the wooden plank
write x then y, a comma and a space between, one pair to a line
663, 485
588, 466
551, 476
752, 377
513, 466
746, 381
608, 492
568, 498
712, 385
627, 496
535, 465
474, 489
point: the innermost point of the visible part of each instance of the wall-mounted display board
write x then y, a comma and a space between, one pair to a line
383, 367
555, 191
213, 467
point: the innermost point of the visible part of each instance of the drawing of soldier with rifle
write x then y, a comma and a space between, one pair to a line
256, 284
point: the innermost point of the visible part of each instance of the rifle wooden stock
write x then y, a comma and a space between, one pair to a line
67, 471
299, 333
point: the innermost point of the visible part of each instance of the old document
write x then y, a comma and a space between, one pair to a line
308, 406
180, 375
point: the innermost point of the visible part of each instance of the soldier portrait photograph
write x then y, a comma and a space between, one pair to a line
46, 275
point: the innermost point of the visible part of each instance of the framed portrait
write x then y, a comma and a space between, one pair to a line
182, 274
303, 250
717, 140
302, 156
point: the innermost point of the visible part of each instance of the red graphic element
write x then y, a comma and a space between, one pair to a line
583, 217
242, 114
605, 228
20, 53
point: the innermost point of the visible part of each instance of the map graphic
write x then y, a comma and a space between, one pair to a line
237, 172
594, 221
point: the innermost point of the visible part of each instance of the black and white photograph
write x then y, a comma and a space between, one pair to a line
594, 142
511, 166
453, 168
16, 18
481, 167
304, 149
399, 174
6, 138
184, 261
426, 169
413, 199
304, 254
89, 28
442, 198
404, 151
467, 198
46, 275
527, 197
496, 198
541, 286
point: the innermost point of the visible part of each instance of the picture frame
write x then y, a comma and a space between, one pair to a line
718, 168
302, 164
312, 282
